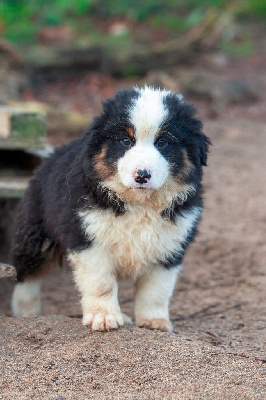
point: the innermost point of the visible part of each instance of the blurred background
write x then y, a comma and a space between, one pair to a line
73, 54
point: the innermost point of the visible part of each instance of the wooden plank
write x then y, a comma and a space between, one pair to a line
4, 124
21, 128
13, 188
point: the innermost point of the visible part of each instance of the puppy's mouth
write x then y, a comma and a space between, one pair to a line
140, 188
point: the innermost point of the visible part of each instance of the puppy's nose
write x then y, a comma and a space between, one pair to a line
142, 176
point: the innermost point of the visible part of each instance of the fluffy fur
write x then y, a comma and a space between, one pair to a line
123, 200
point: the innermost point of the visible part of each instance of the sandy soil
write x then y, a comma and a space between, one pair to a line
218, 346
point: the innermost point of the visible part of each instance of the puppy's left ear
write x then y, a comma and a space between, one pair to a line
203, 143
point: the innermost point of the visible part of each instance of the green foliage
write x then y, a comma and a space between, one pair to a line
136, 9
175, 22
21, 20
238, 49
257, 7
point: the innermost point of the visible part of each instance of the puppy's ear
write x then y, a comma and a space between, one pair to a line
203, 143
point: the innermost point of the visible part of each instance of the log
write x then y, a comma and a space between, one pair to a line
127, 59
62, 126
21, 128
13, 188
7, 271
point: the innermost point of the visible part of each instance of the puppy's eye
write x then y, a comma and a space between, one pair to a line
126, 142
161, 143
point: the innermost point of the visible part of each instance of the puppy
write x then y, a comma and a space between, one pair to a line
122, 201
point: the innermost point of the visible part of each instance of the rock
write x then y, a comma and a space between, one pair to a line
237, 91
217, 60
162, 79
213, 89
118, 29
55, 35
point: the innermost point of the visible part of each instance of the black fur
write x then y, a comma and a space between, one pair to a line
69, 182
177, 258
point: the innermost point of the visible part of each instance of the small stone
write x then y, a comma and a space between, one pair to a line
163, 80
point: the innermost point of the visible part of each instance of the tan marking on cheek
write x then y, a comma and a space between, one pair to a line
180, 176
104, 170
130, 132
188, 166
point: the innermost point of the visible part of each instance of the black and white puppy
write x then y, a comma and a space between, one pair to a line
122, 201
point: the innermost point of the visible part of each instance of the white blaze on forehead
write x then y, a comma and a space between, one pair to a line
147, 113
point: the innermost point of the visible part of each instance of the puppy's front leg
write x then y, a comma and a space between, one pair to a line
96, 281
153, 293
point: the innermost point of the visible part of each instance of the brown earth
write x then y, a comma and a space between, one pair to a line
218, 348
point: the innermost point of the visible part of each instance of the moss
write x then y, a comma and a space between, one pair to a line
28, 125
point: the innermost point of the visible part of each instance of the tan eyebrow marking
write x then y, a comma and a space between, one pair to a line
169, 134
130, 132
158, 134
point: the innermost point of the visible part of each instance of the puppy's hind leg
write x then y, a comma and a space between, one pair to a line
31, 267
26, 299
33, 253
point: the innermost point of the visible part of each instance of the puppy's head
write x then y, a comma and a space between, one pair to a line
147, 141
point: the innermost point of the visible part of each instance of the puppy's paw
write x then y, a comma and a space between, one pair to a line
160, 324
103, 322
127, 319
26, 299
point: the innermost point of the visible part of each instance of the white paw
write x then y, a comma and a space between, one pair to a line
127, 319
103, 322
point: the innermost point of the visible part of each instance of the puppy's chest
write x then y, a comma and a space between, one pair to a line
137, 239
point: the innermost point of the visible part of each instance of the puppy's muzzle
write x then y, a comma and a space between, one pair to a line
142, 176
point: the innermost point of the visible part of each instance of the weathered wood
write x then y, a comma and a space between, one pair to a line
21, 128
13, 188
62, 126
7, 271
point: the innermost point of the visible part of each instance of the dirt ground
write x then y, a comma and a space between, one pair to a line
218, 348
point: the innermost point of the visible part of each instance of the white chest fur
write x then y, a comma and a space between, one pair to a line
139, 238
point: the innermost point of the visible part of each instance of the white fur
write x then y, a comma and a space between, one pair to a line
94, 276
26, 299
143, 156
147, 113
139, 238
186, 221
